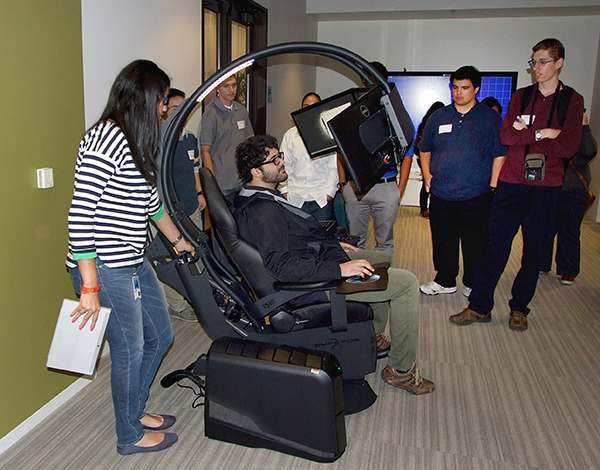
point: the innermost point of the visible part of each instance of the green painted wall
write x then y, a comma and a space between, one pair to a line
41, 122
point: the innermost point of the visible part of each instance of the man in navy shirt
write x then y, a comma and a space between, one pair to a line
461, 157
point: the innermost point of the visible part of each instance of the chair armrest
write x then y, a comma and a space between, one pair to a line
306, 286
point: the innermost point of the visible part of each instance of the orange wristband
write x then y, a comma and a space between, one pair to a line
90, 290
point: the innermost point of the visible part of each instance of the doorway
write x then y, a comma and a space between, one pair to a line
231, 29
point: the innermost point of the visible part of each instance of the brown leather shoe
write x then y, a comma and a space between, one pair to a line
468, 316
518, 321
411, 381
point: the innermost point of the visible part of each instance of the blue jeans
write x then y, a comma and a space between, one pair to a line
533, 209
139, 333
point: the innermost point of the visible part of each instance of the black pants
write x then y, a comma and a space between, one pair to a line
570, 211
454, 224
533, 210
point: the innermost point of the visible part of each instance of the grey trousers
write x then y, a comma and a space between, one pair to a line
381, 201
401, 302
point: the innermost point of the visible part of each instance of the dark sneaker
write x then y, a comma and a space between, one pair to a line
518, 321
410, 381
468, 316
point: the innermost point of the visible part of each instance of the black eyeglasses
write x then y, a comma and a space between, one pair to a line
166, 100
276, 160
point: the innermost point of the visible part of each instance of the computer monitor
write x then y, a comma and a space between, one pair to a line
312, 121
367, 138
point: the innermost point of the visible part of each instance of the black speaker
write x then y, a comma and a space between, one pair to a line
283, 398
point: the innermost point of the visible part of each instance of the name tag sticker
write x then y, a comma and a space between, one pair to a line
241, 124
527, 119
445, 128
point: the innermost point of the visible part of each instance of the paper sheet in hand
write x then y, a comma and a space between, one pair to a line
72, 349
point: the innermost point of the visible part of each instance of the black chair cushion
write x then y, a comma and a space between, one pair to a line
319, 315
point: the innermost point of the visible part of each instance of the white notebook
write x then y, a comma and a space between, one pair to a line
72, 349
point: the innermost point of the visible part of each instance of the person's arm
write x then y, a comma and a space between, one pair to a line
89, 303
333, 176
206, 158
426, 169
357, 267
288, 159
89, 186
496, 167
561, 143
201, 198
404, 174
341, 166
171, 232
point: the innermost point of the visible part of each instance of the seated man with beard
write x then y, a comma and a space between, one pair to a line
294, 248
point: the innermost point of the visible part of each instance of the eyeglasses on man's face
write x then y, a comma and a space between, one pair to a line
276, 160
541, 62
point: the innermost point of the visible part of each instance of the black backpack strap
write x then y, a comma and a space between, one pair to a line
526, 98
563, 104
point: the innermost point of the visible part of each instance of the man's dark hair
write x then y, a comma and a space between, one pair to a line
553, 46
173, 92
490, 102
467, 72
310, 93
251, 153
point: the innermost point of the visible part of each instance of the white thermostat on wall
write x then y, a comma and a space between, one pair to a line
45, 178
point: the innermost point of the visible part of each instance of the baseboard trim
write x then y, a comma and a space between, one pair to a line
30, 423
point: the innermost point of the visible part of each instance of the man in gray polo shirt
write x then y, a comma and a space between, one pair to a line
224, 125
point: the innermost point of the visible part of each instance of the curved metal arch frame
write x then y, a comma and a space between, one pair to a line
174, 126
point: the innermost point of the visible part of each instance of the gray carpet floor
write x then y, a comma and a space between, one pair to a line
504, 400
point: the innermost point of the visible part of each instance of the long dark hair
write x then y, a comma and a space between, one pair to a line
432, 109
132, 104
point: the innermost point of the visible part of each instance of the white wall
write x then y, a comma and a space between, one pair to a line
116, 32
492, 44
290, 76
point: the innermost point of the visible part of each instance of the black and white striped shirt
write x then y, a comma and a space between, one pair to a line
111, 202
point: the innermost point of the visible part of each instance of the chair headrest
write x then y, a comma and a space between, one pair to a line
245, 256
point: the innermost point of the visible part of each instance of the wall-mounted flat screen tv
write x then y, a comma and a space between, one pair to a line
419, 90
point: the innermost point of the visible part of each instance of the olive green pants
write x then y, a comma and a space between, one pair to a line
400, 301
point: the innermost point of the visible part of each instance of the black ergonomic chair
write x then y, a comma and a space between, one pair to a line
255, 306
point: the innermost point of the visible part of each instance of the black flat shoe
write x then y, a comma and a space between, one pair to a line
169, 439
168, 421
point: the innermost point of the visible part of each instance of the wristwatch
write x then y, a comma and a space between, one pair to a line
538, 135
341, 184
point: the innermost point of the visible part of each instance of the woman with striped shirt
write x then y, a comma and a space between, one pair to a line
115, 193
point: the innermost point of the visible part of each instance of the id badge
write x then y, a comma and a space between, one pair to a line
137, 291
